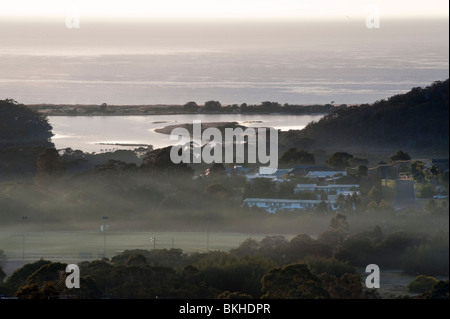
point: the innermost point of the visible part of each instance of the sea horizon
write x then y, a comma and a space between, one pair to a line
155, 63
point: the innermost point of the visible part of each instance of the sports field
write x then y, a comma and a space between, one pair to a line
86, 245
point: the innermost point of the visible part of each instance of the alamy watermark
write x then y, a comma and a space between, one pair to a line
73, 17
373, 279
73, 280
229, 149
373, 17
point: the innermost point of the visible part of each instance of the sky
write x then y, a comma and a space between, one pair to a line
222, 9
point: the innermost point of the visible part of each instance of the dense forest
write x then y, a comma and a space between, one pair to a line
417, 120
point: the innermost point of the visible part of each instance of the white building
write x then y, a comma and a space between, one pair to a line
265, 172
338, 189
334, 198
326, 175
305, 187
273, 205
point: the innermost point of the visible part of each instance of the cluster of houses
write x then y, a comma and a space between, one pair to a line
315, 173
272, 205
325, 183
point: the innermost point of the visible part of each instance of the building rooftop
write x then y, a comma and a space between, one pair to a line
306, 185
279, 200
439, 160
269, 171
325, 174
327, 186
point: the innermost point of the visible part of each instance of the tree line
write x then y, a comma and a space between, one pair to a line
263, 108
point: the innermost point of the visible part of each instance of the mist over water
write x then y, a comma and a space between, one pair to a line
160, 63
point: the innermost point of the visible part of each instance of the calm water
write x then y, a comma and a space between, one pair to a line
87, 132
157, 63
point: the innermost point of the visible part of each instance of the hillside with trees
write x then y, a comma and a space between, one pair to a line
19, 125
24, 134
417, 120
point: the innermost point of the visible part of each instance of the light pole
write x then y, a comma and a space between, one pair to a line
207, 240
153, 239
24, 218
207, 233
104, 235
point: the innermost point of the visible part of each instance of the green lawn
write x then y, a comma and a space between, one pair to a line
72, 245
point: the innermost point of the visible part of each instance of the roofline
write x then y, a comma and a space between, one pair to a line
311, 201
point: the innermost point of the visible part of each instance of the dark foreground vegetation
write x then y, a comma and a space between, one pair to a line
305, 268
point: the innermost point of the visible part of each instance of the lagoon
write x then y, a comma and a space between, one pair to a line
104, 133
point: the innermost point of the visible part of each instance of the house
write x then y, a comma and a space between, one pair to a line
328, 176
348, 193
302, 170
272, 205
268, 172
238, 170
333, 188
265, 172
305, 187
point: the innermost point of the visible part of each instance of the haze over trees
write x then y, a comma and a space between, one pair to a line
340, 160
68, 189
400, 156
294, 157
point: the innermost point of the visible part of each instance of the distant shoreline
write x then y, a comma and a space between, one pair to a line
124, 144
168, 129
170, 109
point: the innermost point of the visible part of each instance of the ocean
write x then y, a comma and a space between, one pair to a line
233, 62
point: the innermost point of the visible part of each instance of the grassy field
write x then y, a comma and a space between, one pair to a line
60, 245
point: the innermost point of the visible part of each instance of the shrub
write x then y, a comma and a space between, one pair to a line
422, 284
329, 266
427, 259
